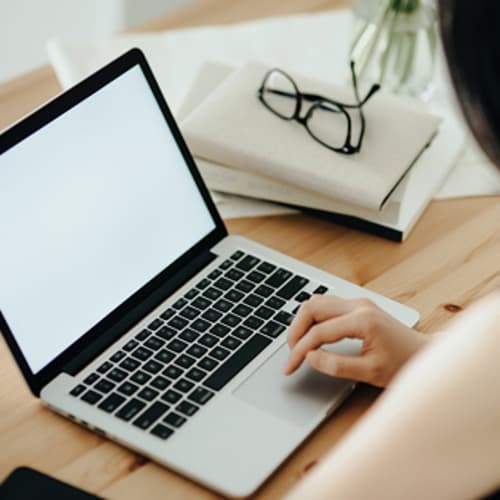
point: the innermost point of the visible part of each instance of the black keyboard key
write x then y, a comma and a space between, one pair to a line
148, 394
183, 385
302, 296
76, 391
130, 364
197, 351
212, 293
143, 334
196, 374
154, 343
264, 312
174, 420
91, 397
200, 395
189, 336
203, 284
236, 362
253, 300
223, 305
245, 286
161, 431
128, 388
212, 315
179, 303
185, 361
242, 332
151, 415
191, 294
292, 287
266, 267
104, 386
166, 332
154, 325
160, 383
226, 264
111, 403
169, 313
117, 375
231, 320
187, 408
215, 274
272, 329
253, 322
255, 277
177, 345
321, 290
223, 284
165, 356
275, 303
171, 396
208, 340
105, 367
130, 345
131, 409
296, 310
91, 379
208, 364
264, 290
152, 366
219, 353
200, 325
242, 310
284, 317
278, 278
201, 303
142, 353
190, 312
234, 295
178, 323
234, 275
237, 255
231, 343
220, 330
117, 356
140, 377
172, 372
247, 263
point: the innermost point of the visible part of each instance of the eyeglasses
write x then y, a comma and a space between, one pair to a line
327, 121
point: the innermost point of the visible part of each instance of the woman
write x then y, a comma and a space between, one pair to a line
435, 433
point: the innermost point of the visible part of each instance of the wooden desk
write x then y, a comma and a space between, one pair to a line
450, 260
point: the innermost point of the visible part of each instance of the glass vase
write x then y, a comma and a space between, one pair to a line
394, 44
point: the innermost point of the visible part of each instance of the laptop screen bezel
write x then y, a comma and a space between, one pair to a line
43, 116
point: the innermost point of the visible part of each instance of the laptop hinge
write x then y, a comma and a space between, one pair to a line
137, 313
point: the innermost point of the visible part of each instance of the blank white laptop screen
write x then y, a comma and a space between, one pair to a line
92, 207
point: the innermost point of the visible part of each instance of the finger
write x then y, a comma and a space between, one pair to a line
338, 365
327, 332
315, 310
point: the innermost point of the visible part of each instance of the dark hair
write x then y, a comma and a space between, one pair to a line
471, 36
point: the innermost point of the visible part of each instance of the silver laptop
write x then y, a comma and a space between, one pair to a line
127, 306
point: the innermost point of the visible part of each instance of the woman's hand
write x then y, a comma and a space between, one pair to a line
387, 343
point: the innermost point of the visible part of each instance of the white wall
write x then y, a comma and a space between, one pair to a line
25, 25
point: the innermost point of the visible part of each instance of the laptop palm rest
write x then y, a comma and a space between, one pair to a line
300, 398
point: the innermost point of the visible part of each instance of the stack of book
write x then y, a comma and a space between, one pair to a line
242, 148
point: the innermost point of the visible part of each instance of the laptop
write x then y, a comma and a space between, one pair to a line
127, 306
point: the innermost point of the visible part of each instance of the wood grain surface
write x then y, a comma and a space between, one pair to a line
450, 259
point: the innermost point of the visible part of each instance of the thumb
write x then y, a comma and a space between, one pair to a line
340, 365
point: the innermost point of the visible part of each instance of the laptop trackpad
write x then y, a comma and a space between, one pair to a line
298, 398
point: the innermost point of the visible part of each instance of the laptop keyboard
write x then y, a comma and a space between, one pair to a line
171, 368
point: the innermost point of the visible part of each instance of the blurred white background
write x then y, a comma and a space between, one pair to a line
25, 25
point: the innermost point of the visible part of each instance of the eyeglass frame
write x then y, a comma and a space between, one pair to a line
317, 101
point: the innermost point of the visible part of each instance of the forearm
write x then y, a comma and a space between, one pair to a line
435, 433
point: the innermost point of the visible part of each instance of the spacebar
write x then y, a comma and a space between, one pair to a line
237, 362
